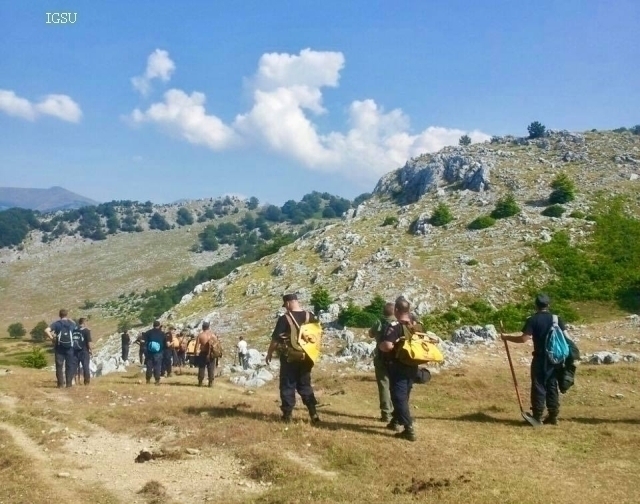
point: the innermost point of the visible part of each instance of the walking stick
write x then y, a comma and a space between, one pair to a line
527, 416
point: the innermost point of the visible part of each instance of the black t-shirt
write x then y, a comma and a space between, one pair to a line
155, 335
393, 332
126, 339
282, 331
86, 337
537, 326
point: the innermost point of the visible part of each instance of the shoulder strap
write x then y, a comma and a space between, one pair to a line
555, 319
292, 320
307, 316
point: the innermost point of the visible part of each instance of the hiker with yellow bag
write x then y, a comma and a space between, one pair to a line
404, 347
297, 338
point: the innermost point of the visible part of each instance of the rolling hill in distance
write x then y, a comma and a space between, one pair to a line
42, 200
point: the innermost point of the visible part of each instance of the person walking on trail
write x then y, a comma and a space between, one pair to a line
83, 356
155, 342
401, 376
377, 331
125, 339
204, 355
142, 350
544, 383
61, 333
243, 353
167, 353
295, 370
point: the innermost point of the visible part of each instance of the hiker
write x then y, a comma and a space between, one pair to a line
182, 349
191, 350
167, 353
60, 332
401, 376
377, 331
82, 356
544, 381
243, 353
205, 358
140, 341
126, 341
154, 345
294, 374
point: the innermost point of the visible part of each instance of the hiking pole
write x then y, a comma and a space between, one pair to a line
527, 416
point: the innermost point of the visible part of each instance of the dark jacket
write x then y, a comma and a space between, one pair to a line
567, 372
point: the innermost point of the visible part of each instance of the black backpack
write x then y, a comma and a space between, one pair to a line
65, 336
77, 337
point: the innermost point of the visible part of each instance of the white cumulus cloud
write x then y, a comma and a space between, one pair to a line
56, 105
159, 66
287, 96
185, 116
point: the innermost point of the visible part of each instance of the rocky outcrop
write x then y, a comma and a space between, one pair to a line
426, 173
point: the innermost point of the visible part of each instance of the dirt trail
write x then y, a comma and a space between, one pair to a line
100, 457
46, 466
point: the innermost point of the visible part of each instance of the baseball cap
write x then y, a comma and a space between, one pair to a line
288, 297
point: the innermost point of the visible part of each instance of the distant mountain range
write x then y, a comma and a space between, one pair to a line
43, 200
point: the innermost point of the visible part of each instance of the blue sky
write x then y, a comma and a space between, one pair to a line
168, 100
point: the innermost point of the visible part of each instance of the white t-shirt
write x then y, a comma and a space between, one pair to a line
242, 347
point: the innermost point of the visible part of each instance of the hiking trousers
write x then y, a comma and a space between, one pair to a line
296, 376
382, 379
167, 357
544, 387
65, 366
400, 383
205, 364
83, 358
154, 366
125, 353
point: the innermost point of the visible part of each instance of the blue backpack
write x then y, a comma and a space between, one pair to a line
556, 346
153, 347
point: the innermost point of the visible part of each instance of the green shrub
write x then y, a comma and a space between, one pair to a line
37, 359
479, 312
321, 299
471, 262
354, 316
536, 130
390, 220
505, 207
620, 130
87, 305
604, 267
636, 129
37, 333
553, 211
16, 330
563, 190
482, 222
577, 214
124, 325
441, 215
464, 140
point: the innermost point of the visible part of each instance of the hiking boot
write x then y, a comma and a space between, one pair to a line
552, 418
210, 384
286, 418
408, 433
148, 381
537, 415
200, 383
393, 425
157, 382
315, 419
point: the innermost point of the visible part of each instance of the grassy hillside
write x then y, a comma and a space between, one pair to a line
472, 444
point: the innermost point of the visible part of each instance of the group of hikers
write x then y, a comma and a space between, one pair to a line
395, 375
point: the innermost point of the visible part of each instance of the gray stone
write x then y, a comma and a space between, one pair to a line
470, 335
